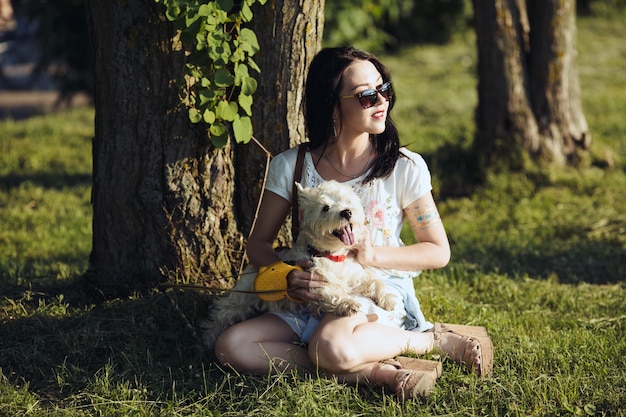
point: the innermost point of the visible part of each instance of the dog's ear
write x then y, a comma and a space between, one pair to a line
303, 193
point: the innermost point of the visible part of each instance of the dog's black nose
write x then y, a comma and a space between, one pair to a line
346, 214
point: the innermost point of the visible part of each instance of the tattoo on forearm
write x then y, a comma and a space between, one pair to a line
423, 217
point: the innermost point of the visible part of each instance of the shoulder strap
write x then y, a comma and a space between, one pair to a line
297, 176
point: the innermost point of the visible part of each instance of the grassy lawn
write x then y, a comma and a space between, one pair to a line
538, 258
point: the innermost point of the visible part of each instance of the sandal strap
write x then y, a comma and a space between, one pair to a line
415, 378
392, 362
468, 346
424, 365
415, 384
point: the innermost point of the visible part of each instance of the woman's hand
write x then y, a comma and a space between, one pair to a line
363, 250
300, 283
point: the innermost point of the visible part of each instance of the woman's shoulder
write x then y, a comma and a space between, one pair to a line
286, 158
410, 158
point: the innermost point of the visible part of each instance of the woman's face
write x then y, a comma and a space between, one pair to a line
355, 120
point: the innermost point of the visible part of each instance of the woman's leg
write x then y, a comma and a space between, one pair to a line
352, 344
266, 344
261, 345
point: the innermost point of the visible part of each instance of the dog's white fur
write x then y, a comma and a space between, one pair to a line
330, 215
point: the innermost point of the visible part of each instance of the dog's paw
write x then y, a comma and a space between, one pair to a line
386, 302
348, 308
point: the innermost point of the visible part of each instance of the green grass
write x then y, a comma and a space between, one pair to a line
45, 182
538, 258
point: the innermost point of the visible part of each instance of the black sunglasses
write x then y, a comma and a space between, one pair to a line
369, 98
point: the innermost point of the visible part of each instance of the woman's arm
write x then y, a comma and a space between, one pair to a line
272, 215
431, 251
260, 251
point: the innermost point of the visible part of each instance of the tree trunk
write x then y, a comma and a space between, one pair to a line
555, 88
528, 91
163, 197
288, 45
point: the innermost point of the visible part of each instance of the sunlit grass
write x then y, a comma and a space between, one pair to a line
45, 186
538, 258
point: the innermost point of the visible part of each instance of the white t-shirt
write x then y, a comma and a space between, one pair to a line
383, 199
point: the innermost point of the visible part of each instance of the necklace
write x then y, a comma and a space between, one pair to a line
367, 164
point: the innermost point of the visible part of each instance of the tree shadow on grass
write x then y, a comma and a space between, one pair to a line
574, 253
62, 344
57, 181
571, 262
129, 354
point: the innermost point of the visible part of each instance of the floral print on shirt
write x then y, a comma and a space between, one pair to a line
377, 215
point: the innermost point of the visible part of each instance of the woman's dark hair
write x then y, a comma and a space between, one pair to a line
323, 87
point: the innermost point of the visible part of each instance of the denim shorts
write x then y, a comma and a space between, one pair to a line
302, 322
406, 315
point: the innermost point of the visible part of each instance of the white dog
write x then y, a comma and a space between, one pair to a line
331, 222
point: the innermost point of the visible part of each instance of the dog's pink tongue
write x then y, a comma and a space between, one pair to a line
347, 237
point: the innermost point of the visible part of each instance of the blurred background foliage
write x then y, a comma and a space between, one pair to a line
52, 36
60, 33
386, 25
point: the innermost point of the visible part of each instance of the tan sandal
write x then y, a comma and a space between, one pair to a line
415, 378
474, 343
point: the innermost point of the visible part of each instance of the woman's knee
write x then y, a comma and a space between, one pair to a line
251, 345
332, 345
226, 350
333, 355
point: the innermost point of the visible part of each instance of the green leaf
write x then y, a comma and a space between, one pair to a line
225, 5
246, 13
219, 141
226, 110
241, 73
194, 115
223, 78
249, 41
206, 9
249, 86
245, 102
219, 134
238, 55
173, 12
219, 48
206, 96
253, 65
200, 41
191, 16
218, 129
210, 23
242, 127
192, 70
209, 116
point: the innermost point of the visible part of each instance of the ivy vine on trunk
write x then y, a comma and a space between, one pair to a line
218, 84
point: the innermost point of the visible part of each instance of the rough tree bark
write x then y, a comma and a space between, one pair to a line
163, 197
277, 116
528, 90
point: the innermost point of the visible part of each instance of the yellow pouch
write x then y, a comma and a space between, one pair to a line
271, 281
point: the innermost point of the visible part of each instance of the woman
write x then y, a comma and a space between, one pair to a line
353, 139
